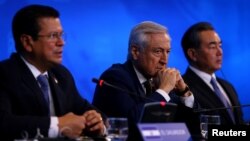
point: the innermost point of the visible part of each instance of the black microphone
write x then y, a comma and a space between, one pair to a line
220, 108
102, 82
156, 110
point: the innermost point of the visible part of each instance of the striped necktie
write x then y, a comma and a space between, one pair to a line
149, 87
222, 98
44, 84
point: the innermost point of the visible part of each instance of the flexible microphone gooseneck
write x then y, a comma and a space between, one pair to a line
156, 109
220, 108
102, 82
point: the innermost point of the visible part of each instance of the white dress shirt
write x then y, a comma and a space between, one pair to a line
54, 129
207, 78
188, 101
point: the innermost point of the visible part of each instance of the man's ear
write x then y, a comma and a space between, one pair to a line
135, 52
192, 54
27, 42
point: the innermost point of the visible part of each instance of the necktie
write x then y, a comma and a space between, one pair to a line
222, 97
149, 88
44, 83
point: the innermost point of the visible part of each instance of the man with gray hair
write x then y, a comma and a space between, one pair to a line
148, 52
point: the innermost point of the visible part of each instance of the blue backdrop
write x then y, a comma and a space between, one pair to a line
97, 34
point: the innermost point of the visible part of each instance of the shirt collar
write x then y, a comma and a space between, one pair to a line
33, 69
141, 78
204, 76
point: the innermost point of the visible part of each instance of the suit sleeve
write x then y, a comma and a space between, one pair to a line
72, 100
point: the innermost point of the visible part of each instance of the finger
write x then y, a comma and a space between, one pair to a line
93, 115
178, 75
90, 112
98, 126
171, 70
93, 119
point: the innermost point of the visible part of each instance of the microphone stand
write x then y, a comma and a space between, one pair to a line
102, 82
220, 108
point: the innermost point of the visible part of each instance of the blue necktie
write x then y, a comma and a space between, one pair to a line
222, 97
44, 83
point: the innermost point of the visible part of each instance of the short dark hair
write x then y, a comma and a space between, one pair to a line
25, 21
191, 38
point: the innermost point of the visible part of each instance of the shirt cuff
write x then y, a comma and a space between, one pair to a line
164, 94
53, 129
105, 132
188, 100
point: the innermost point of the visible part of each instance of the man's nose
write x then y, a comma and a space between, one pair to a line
163, 60
219, 51
60, 42
164, 56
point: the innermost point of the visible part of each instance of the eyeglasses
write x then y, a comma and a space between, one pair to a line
54, 36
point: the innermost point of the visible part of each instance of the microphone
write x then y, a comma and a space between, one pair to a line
157, 111
220, 108
102, 82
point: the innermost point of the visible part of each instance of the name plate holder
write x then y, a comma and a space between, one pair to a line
164, 132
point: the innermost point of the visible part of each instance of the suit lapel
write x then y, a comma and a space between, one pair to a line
230, 92
30, 82
232, 95
136, 81
56, 93
204, 93
202, 90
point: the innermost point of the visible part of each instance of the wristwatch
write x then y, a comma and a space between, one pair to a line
182, 93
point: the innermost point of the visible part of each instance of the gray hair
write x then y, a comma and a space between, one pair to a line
139, 34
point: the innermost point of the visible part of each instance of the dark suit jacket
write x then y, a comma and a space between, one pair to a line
206, 98
122, 101
129, 101
22, 106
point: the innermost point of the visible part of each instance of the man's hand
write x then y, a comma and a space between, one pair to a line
181, 87
71, 125
180, 84
94, 122
167, 79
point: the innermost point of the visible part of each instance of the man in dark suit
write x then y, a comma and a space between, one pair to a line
39, 41
148, 51
202, 48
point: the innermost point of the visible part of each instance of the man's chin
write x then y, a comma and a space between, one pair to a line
154, 74
218, 67
56, 62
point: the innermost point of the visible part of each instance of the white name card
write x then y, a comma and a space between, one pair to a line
164, 132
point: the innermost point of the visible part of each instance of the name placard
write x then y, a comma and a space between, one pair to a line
164, 132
